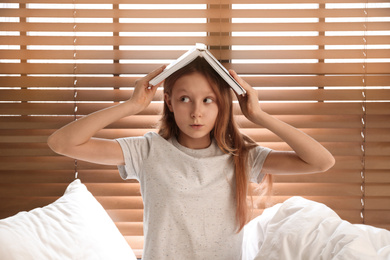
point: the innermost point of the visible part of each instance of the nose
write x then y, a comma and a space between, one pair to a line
196, 110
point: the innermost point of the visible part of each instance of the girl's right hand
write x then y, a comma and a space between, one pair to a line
144, 92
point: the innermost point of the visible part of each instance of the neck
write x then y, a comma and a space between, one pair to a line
194, 143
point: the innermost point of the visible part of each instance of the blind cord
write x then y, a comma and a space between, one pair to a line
364, 120
75, 108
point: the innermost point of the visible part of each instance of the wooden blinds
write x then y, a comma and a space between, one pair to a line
321, 66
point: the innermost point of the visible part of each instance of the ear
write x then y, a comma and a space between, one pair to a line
168, 101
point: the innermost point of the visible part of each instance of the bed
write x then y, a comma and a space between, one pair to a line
77, 227
73, 227
302, 229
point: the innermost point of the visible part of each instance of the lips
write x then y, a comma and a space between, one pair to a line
196, 126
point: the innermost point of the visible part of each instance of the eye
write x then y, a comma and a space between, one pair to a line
208, 100
185, 99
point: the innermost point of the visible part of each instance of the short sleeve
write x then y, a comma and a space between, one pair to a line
135, 151
256, 160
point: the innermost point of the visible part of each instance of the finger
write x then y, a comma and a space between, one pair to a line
240, 81
236, 77
155, 87
242, 98
154, 73
158, 84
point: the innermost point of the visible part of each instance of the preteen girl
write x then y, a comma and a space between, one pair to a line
194, 173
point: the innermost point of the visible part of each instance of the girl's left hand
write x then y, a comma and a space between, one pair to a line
249, 102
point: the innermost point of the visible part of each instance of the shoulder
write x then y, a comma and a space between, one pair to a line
148, 138
258, 153
260, 149
256, 158
141, 144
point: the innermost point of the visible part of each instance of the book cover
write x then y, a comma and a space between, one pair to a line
200, 50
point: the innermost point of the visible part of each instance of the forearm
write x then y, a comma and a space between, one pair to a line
80, 131
76, 139
306, 148
308, 155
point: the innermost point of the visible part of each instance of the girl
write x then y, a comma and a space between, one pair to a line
194, 173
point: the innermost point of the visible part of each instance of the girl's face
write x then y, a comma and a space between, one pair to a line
194, 105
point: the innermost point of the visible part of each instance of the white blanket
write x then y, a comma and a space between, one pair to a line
304, 229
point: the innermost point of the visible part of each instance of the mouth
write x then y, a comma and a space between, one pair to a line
196, 126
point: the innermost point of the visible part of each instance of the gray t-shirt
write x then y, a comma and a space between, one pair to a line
189, 204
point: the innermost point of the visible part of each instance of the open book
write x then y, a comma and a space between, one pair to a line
199, 50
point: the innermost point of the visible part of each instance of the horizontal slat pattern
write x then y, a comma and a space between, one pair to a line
210, 13
264, 95
304, 121
299, 108
134, 55
211, 40
340, 68
323, 98
263, 81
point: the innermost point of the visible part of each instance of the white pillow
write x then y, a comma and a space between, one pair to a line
73, 227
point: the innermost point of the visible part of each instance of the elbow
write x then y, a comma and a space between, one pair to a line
54, 143
327, 163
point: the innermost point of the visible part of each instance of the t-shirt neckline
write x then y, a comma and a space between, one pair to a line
209, 151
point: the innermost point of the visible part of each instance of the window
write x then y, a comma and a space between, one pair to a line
322, 67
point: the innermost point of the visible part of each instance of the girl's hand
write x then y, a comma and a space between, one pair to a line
144, 92
249, 102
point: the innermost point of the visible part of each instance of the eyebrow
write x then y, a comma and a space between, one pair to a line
180, 90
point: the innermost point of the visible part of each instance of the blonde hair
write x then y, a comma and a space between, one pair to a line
225, 132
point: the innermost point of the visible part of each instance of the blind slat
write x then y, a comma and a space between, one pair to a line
274, 109
308, 40
140, 121
192, 27
120, 1
304, 26
53, 189
209, 13
59, 176
266, 81
210, 40
121, 95
303, 68
148, 55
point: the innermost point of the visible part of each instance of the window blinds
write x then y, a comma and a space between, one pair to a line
322, 66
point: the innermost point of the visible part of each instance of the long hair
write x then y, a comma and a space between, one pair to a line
226, 132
